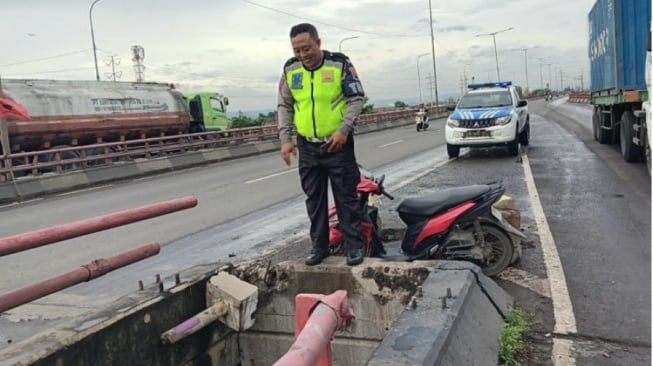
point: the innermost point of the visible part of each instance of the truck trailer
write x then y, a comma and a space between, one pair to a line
619, 53
80, 112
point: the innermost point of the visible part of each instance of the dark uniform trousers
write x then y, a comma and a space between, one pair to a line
316, 168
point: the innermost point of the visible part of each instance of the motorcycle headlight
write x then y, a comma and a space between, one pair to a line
453, 122
502, 120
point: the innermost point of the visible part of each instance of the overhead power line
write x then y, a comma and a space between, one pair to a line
44, 58
52, 71
330, 24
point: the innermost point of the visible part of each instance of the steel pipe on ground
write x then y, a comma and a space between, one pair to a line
33, 239
85, 273
312, 342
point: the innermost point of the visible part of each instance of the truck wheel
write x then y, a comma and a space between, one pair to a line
63, 155
453, 151
595, 123
603, 136
629, 150
525, 135
647, 155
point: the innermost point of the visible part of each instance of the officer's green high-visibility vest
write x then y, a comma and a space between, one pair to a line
319, 101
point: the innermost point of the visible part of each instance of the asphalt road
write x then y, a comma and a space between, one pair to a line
597, 207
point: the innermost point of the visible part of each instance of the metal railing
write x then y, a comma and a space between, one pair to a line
60, 160
34, 239
579, 97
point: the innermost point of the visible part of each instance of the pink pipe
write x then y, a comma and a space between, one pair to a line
331, 313
33, 239
86, 273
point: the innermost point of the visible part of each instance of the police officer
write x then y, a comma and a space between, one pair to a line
320, 97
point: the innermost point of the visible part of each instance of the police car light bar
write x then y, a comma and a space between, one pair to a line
498, 84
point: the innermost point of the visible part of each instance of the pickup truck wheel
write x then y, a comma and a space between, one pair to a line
453, 151
513, 146
629, 150
525, 135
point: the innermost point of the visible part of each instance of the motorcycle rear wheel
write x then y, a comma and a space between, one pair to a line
498, 250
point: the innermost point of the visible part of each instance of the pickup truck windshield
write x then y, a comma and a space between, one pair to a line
497, 98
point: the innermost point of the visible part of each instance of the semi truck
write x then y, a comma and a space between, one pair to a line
208, 111
73, 112
619, 53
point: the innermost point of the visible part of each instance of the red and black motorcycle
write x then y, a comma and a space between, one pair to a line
454, 224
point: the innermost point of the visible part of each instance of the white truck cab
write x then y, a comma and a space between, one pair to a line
489, 114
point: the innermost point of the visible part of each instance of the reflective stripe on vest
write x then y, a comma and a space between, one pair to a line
319, 101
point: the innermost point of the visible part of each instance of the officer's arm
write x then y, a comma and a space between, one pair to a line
354, 96
285, 111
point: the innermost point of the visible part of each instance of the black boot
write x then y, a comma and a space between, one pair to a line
316, 257
355, 257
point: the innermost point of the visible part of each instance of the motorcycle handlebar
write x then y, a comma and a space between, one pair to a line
388, 195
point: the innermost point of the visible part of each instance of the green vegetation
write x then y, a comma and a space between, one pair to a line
511, 337
367, 108
242, 121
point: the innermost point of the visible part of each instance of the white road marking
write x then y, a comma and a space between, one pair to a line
527, 280
83, 190
420, 175
21, 203
563, 312
391, 143
271, 176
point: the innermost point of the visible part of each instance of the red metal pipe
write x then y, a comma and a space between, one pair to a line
33, 239
331, 313
86, 273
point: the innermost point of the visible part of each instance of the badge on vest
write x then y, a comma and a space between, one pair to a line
327, 76
297, 81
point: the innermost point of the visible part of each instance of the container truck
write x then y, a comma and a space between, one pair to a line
619, 47
71, 112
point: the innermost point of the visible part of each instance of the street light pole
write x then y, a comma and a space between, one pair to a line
435, 73
419, 78
541, 78
494, 39
525, 50
344, 39
90, 17
465, 76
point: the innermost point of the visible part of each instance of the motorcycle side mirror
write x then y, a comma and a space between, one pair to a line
380, 180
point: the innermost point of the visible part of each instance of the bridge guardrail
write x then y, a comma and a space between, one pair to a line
579, 97
60, 160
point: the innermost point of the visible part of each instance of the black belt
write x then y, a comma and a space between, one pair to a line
316, 140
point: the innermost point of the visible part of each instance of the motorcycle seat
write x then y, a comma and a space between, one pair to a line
432, 203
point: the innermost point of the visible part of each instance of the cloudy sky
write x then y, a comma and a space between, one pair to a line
238, 47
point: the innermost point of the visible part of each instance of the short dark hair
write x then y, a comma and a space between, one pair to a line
304, 28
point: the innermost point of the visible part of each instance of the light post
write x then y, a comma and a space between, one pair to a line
541, 78
419, 78
435, 73
525, 50
90, 17
344, 39
494, 39
465, 76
